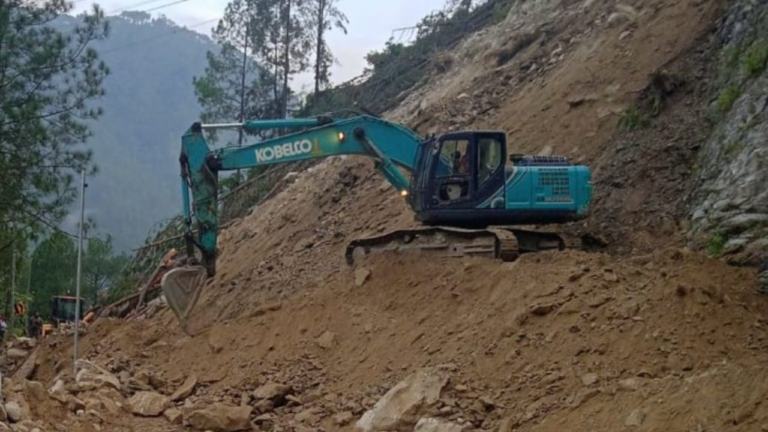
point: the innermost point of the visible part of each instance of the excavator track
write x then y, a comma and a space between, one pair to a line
505, 244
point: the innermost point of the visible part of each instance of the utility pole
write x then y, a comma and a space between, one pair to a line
242, 91
79, 269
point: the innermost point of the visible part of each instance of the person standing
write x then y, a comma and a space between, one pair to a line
3, 328
36, 324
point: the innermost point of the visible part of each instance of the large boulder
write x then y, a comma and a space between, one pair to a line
400, 408
219, 417
25, 342
148, 404
35, 392
16, 353
92, 377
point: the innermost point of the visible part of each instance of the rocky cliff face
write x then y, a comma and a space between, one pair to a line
730, 210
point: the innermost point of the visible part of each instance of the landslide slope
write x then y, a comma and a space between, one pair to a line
647, 335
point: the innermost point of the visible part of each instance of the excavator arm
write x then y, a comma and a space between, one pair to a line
389, 144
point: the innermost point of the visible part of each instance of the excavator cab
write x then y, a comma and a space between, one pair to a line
463, 180
457, 173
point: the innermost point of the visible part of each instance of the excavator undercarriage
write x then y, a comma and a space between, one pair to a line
506, 244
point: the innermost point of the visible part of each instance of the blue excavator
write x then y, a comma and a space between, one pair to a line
465, 190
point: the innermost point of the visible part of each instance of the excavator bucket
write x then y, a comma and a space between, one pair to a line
182, 287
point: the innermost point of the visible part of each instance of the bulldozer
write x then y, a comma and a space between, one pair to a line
469, 194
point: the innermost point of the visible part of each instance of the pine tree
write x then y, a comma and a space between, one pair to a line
323, 16
49, 82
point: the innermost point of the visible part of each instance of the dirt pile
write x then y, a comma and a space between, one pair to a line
554, 339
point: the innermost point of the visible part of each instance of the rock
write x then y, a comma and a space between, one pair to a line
110, 406
308, 416
589, 379
629, 384
26, 343
635, 418
89, 380
3, 413
173, 416
214, 344
610, 276
148, 404
400, 406
221, 418
542, 309
264, 406
435, 425
16, 353
343, 418
74, 404
583, 396
35, 392
13, 410
272, 391
326, 340
5, 428
28, 368
361, 276
185, 389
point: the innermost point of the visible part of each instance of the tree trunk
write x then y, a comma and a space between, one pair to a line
320, 47
286, 58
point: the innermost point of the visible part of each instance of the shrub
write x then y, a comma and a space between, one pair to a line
632, 119
755, 59
728, 97
716, 244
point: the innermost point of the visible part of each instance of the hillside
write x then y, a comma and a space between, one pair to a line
149, 103
663, 329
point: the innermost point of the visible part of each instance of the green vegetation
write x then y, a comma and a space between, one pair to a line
54, 266
733, 148
728, 98
729, 62
501, 10
50, 82
400, 67
755, 59
716, 244
632, 119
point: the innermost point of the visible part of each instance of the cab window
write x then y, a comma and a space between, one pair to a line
489, 159
455, 153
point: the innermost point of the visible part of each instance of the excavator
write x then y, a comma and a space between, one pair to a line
465, 191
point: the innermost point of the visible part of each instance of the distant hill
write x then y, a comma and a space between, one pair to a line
149, 103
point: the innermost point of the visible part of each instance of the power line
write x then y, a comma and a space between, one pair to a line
165, 5
141, 42
135, 5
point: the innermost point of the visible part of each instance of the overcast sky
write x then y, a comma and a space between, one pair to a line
370, 25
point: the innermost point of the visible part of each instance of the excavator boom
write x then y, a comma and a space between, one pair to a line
389, 144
